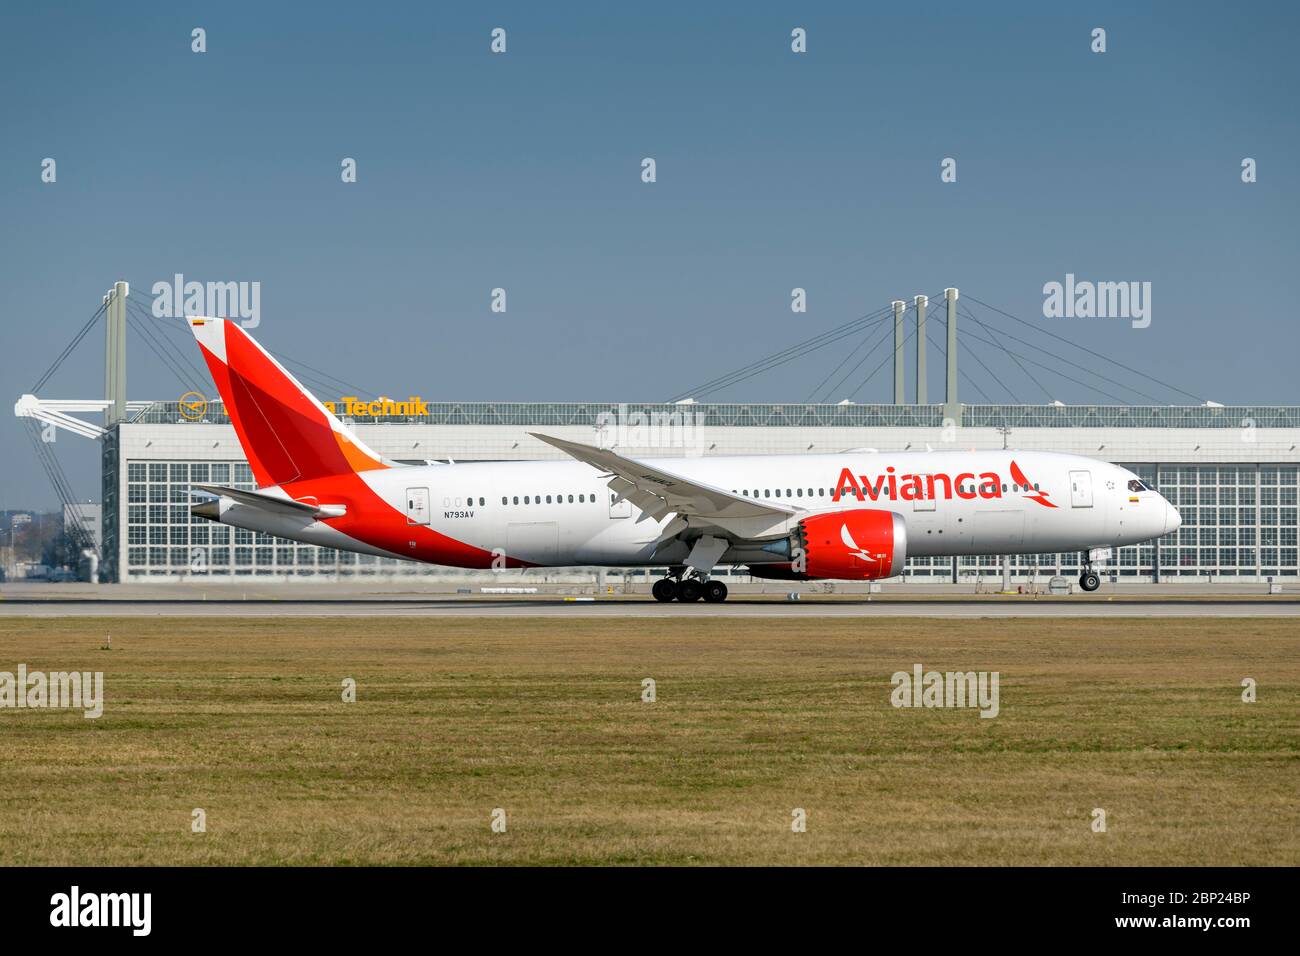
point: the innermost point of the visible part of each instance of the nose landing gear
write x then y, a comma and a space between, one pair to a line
1090, 580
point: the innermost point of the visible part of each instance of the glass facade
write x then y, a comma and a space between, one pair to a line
163, 538
111, 513
1238, 521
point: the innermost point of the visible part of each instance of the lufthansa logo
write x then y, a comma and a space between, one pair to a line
193, 406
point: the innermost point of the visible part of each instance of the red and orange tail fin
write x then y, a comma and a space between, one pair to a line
286, 434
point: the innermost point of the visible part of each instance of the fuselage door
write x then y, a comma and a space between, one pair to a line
924, 503
1080, 489
619, 509
417, 505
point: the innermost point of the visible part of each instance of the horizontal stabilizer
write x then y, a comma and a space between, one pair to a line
258, 499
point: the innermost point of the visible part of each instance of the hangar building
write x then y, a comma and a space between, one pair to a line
1231, 472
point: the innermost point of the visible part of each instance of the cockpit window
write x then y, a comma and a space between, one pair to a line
1135, 485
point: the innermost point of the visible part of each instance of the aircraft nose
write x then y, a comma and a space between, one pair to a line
1172, 518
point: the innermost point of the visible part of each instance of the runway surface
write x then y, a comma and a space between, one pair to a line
473, 607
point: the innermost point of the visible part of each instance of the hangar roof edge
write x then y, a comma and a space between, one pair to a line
594, 414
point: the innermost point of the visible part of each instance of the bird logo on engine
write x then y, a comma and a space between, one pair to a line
854, 550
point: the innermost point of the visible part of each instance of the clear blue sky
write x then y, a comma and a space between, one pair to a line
522, 171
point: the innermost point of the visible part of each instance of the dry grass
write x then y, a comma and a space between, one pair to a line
457, 716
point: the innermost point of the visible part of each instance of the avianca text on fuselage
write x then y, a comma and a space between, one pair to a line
911, 487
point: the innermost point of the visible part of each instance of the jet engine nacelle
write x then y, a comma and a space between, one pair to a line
861, 544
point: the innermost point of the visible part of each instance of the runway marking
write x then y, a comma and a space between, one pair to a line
648, 609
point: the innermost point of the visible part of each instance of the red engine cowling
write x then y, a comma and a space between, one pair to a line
861, 544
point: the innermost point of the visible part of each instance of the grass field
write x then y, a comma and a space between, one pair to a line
544, 718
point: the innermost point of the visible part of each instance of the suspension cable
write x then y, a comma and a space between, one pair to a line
1084, 348
69, 348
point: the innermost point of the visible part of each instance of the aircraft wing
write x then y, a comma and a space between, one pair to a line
659, 493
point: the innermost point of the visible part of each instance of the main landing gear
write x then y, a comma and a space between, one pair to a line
1089, 580
715, 592
676, 587
665, 589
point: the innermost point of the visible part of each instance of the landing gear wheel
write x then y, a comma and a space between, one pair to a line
665, 589
715, 592
689, 590
1090, 581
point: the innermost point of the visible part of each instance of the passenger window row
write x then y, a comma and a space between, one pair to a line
789, 493
547, 499
874, 492
764, 493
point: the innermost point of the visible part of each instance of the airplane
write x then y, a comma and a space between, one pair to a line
852, 516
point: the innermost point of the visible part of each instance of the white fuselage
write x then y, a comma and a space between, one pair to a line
560, 513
